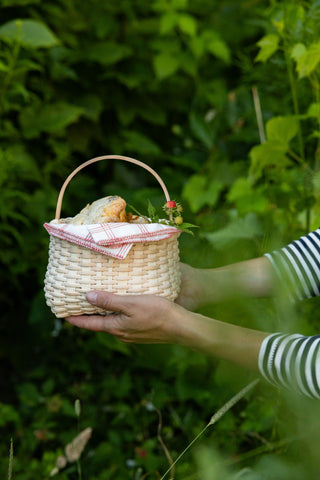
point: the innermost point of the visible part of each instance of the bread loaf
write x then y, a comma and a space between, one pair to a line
105, 210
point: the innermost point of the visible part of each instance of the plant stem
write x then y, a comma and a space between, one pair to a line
293, 89
294, 94
257, 107
227, 406
295, 103
184, 451
8, 77
10, 460
77, 408
316, 88
262, 449
230, 403
295, 157
166, 451
79, 470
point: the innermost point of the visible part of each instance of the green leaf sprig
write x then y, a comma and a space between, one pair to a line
173, 210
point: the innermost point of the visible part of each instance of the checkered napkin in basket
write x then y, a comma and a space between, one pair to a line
112, 239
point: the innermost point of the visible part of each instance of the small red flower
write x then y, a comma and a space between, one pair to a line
171, 204
141, 452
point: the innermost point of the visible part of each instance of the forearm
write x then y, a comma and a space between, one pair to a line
217, 339
254, 278
287, 360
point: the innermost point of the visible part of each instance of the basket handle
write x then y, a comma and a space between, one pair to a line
105, 157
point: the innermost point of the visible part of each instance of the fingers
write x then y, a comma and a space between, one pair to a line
138, 318
108, 301
103, 323
96, 323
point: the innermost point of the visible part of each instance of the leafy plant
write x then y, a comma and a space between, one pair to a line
173, 210
170, 82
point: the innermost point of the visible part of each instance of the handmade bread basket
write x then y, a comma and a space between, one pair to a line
150, 267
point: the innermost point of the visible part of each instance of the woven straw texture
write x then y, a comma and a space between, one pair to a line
150, 267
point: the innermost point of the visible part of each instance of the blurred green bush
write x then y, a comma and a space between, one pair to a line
222, 99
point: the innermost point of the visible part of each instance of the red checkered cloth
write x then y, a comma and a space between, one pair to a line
112, 239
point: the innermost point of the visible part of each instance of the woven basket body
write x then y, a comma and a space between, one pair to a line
150, 267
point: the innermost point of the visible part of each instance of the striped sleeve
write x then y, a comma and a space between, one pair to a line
298, 266
292, 362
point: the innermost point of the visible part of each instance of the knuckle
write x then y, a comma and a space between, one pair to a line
86, 323
103, 301
113, 328
125, 339
115, 332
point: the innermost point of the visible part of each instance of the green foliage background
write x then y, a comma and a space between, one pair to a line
173, 83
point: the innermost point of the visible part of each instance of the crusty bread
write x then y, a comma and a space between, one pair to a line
105, 210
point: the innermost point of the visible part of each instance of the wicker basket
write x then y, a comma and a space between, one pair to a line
150, 267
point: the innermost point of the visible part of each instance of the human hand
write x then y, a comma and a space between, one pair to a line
152, 319
138, 318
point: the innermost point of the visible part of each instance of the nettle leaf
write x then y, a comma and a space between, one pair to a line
217, 46
138, 142
298, 51
15, 3
282, 129
106, 53
152, 112
168, 22
220, 49
48, 118
294, 14
187, 24
269, 154
165, 64
268, 45
201, 130
3, 67
126, 113
240, 229
307, 59
179, 4
21, 162
200, 192
239, 189
246, 198
29, 33
197, 46
188, 64
92, 106
314, 110
112, 344
152, 213
316, 183
8, 414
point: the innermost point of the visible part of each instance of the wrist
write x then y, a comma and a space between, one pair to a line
211, 285
189, 329
178, 325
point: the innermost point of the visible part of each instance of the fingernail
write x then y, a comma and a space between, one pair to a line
92, 297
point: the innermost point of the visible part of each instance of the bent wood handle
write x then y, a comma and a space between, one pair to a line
106, 157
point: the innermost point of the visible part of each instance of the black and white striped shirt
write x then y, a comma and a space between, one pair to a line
298, 266
293, 360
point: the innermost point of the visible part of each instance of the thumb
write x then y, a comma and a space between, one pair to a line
107, 301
